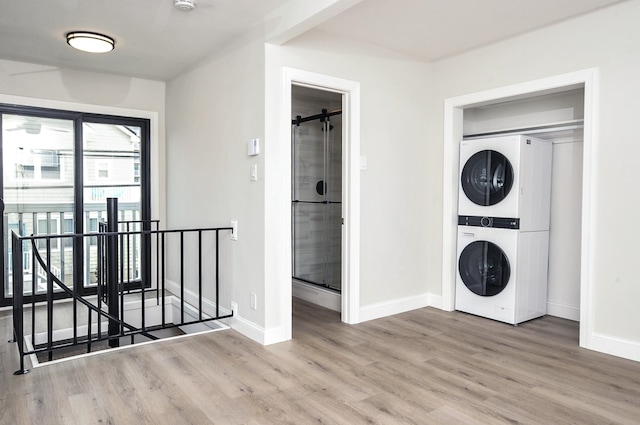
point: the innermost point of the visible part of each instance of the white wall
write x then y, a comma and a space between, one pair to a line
609, 40
212, 112
394, 226
67, 89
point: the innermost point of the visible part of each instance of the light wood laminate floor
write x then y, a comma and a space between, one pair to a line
422, 367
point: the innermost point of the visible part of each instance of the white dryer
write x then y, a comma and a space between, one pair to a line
502, 273
506, 177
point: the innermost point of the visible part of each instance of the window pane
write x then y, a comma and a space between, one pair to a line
110, 155
37, 160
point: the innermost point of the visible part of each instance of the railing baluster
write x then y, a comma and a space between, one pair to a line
49, 300
199, 274
163, 269
120, 282
217, 273
157, 264
128, 253
89, 336
74, 288
142, 285
181, 277
112, 269
18, 288
33, 289
100, 278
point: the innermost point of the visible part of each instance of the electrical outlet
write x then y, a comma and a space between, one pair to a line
254, 301
234, 308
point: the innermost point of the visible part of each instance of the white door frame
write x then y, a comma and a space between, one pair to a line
453, 122
350, 181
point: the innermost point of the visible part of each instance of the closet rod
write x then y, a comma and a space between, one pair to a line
567, 125
324, 115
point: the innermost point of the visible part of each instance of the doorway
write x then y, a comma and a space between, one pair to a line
316, 195
350, 228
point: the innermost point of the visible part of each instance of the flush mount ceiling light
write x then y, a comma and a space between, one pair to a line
90, 42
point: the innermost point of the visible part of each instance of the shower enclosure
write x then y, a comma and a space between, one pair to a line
316, 206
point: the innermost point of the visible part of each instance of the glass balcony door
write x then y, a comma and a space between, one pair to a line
38, 192
59, 168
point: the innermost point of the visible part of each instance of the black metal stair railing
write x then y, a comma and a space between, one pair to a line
116, 280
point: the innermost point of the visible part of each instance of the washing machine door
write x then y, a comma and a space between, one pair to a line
487, 177
484, 268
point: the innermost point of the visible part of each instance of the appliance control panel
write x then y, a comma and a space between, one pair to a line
495, 222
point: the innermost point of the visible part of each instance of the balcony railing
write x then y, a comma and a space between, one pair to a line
56, 218
192, 282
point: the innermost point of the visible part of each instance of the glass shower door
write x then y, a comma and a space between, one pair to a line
316, 202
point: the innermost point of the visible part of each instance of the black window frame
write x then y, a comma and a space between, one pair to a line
79, 118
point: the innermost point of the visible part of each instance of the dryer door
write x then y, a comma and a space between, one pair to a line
487, 177
484, 268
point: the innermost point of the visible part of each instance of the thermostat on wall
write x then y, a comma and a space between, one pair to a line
253, 147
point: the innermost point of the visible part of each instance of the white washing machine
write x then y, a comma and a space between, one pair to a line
502, 273
506, 177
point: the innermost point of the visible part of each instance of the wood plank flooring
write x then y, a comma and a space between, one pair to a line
422, 367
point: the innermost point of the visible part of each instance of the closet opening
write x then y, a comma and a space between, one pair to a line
542, 105
557, 117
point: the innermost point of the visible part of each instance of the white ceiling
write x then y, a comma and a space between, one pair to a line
156, 41
432, 30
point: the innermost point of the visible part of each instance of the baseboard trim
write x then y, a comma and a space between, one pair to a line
397, 306
435, 301
237, 322
618, 347
564, 311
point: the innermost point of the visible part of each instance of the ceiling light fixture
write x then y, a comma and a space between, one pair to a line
90, 42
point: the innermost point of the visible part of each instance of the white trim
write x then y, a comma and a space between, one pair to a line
619, 347
351, 178
317, 295
570, 312
435, 301
237, 322
453, 114
191, 297
248, 329
397, 306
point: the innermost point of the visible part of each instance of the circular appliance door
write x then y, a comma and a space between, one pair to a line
484, 268
487, 178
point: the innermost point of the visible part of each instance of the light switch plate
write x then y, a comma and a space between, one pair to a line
253, 147
234, 231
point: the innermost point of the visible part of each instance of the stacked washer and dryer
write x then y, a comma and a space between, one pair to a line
503, 227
